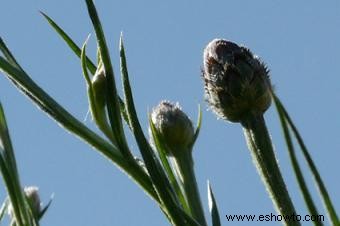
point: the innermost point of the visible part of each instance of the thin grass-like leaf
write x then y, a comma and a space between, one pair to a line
322, 188
11, 177
92, 68
77, 50
44, 210
113, 107
298, 173
3, 209
215, 216
84, 64
198, 126
157, 174
168, 169
98, 115
8, 55
66, 120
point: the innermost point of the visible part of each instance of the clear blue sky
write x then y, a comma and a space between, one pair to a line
298, 40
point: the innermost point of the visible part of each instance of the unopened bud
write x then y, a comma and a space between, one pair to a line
173, 125
236, 82
99, 87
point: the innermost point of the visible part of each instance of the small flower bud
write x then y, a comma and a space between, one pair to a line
173, 125
99, 87
236, 82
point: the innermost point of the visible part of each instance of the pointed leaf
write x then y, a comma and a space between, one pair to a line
76, 49
70, 123
215, 216
3, 209
165, 162
113, 108
92, 68
10, 173
318, 180
8, 55
298, 173
198, 126
157, 174
43, 211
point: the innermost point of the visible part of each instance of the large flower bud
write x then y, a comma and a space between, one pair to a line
174, 126
236, 81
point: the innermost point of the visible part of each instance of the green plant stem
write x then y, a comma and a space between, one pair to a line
185, 166
262, 151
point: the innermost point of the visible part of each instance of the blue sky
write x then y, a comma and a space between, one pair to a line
299, 42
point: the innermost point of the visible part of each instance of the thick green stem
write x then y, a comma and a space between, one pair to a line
263, 155
185, 166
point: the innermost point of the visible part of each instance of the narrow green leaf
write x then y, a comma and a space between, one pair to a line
44, 210
70, 123
8, 153
10, 173
298, 173
98, 112
322, 188
8, 55
124, 113
84, 62
3, 209
189, 220
215, 216
125, 80
198, 126
113, 108
76, 49
157, 174
92, 68
168, 169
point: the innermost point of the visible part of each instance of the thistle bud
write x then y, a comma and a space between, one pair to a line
99, 87
173, 125
236, 82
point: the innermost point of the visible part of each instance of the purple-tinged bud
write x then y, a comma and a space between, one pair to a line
236, 82
174, 126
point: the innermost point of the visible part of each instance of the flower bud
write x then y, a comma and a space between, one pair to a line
236, 82
99, 88
174, 126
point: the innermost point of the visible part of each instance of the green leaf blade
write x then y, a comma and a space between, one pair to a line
73, 46
318, 180
298, 173
215, 216
113, 106
10, 174
162, 155
163, 186
70, 123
